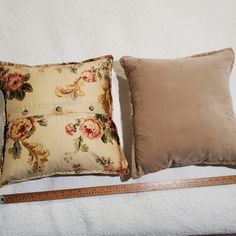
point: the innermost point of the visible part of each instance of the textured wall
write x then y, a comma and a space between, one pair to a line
45, 31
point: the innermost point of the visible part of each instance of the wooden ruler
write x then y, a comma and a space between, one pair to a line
116, 189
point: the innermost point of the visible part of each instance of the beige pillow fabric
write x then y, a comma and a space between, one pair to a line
59, 120
182, 111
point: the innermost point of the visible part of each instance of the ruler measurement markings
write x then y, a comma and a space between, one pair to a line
117, 189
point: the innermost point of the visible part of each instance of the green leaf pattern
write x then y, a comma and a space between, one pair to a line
14, 85
79, 145
15, 151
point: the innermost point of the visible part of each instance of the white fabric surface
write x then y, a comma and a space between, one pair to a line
46, 31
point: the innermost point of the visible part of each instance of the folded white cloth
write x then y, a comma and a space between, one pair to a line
46, 31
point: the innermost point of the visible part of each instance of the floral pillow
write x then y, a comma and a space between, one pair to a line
59, 121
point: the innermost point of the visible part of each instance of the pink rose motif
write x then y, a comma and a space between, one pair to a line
91, 128
70, 130
88, 76
14, 81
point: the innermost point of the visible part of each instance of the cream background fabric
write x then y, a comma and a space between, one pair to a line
62, 124
43, 31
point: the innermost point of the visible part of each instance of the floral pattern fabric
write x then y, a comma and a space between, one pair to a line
58, 120
21, 129
14, 85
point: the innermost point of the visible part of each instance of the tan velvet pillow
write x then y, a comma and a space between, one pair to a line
59, 120
182, 111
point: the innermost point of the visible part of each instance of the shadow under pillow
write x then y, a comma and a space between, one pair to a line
182, 111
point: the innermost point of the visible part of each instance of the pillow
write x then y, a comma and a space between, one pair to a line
182, 111
59, 120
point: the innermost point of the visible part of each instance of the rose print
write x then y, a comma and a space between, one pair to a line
91, 128
14, 81
75, 88
99, 126
70, 129
21, 129
88, 76
14, 85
